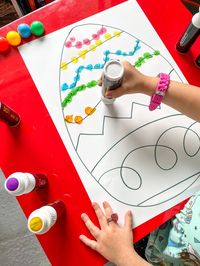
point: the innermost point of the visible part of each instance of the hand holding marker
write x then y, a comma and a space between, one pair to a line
111, 78
190, 34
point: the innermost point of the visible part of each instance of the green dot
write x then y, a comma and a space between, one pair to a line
37, 28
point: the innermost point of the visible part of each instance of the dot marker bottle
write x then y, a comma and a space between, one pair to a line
197, 61
22, 183
111, 79
41, 220
190, 35
9, 115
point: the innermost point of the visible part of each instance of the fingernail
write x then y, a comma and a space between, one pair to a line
130, 213
104, 203
94, 204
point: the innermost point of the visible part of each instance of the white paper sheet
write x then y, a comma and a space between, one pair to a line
135, 159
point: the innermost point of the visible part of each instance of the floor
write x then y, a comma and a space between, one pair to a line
7, 12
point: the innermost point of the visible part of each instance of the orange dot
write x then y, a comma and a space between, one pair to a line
78, 119
89, 110
69, 118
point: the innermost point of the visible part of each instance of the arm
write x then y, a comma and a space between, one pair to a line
182, 97
112, 241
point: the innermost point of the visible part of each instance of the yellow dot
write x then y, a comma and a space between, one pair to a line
13, 38
35, 224
82, 54
63, 65
98, 42
74, 60
92, 47
107, 36
117, 33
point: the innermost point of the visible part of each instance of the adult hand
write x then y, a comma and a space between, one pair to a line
112, 241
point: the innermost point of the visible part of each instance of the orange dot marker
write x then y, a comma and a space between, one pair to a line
78, 119
89, 110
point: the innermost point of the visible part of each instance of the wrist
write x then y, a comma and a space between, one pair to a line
128, 258
149, 85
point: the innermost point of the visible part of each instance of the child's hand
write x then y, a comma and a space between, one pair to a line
133, 82
112, 241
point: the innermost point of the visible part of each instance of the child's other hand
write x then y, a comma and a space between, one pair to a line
112, 241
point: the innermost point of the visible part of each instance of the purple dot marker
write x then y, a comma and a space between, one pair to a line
12, 184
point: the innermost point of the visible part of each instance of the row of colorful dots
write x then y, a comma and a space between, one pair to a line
80, 88
93, 83
13, 38
90, 67
92, 47
79, 119
79, 44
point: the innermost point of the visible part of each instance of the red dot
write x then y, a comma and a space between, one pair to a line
4, 44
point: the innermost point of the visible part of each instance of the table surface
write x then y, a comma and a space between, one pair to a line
31, 148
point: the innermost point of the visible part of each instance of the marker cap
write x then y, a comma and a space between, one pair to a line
113, 70
12, 184
19, 183
41, 220
111, 79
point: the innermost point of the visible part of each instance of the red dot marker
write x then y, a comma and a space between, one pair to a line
4, 44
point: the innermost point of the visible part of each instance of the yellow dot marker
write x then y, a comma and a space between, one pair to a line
13, 38
35, 224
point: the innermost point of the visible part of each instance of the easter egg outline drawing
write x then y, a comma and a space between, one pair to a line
109, 140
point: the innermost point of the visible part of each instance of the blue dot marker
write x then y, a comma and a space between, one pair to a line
24, 30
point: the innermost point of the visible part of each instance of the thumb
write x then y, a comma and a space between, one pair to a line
128, 220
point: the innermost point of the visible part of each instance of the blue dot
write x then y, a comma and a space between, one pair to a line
118, 52
72, 86
131, 53
106, 52
64, 87
24, 30
89, 67
106, 59
97, 66
77, 78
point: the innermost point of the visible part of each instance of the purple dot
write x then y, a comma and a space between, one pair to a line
12, 184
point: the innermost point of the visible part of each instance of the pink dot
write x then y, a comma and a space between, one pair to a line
73, 39
78, 45
102, 31
86, 41
68, 44
95, 36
